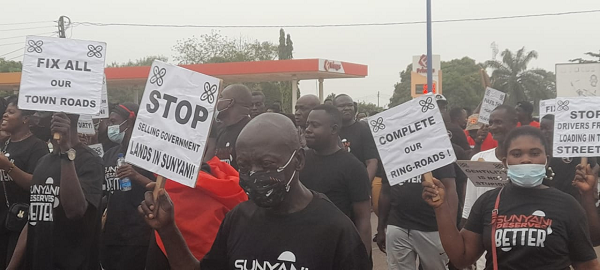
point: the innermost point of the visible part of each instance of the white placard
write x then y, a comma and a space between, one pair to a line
574, 80
98, 148
492, 99
484, 174
547, 106
577, 127
85, 125
173, 122
62, 75
411, 139
103, 113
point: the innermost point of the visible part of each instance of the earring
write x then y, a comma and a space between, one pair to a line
552, 174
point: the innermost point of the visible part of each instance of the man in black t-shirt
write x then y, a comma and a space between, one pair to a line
258, 104
232, 113
407, 226
356, 136
283, 226
126, 235
66, 190
303, 107
335, 172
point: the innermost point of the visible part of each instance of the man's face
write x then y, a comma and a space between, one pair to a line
319, 129
301, 113
258, 106
360, 116
547, 128
500, 125
443, 105
346, 106
462, 121
521, 114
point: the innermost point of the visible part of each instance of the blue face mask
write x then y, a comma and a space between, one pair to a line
527, 175
114, 133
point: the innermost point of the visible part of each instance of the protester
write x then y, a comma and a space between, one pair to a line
503, 119
524, 225
258, 104
217, 191
458, 116
334, 172
361, 116
303, 107
478, 135
66, 190
232, 111
125, 236
357, 136
284, 223
103, 134
442, 103
20, 153
562, 170
407, 228
328, 101
40, 125
586, 181
455, 129
525, 114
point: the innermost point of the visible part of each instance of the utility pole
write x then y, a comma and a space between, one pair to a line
377, 98
429, 50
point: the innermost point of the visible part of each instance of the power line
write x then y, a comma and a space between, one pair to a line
15, 57
21, 23
19, 49
26, 28
337, 25
7, 44
27, 35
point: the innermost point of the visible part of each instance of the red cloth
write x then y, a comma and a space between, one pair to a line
532, 123
487, 144
199, 211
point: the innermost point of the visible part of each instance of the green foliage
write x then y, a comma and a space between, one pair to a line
369, 108
462, 83
146, 61
512, 77
592, 54
402, 89
10, 66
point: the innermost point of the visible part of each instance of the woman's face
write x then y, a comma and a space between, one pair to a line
525, 149
12, 120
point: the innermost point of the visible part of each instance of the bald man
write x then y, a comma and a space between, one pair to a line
304, 105
232, 114
284, 225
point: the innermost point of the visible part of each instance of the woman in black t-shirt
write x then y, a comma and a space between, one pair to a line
21, 153
525, 225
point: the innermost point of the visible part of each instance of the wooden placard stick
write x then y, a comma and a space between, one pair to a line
584, 161
429, 178
160, 183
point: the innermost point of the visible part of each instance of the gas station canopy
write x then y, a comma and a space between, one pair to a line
232, 72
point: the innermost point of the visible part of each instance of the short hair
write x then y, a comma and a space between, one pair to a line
510, 111
258, 93
548, 117
15, 101
328, 99
525, 131
455, 112
339, 96
275, 107
526, 106
333, 112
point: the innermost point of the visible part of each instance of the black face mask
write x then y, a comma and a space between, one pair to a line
267, 189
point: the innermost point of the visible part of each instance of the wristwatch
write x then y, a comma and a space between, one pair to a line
69, 155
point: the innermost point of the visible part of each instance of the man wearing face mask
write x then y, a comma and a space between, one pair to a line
125, 237
270, 230
232, 114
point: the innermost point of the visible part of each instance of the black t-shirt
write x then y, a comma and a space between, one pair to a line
408, 209
318, 237
53, 240
461, 178
226, 139
360, 141
25, 155
458, 136
124, 225
536, 228
340, 176
564, 172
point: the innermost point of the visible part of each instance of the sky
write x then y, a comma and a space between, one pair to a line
386, 50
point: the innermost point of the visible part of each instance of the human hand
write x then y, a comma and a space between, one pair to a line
158, 214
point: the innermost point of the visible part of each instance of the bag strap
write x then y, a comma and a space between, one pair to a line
494, 217
3, 184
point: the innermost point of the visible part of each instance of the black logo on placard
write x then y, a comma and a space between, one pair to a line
378, 124
562, 105
427, 104
95, 51
209, 92
34, 46
158, 74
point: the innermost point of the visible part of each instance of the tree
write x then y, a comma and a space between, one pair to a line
10, 66
581, 60
512, 76
146, 61
369, 108
402, 89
